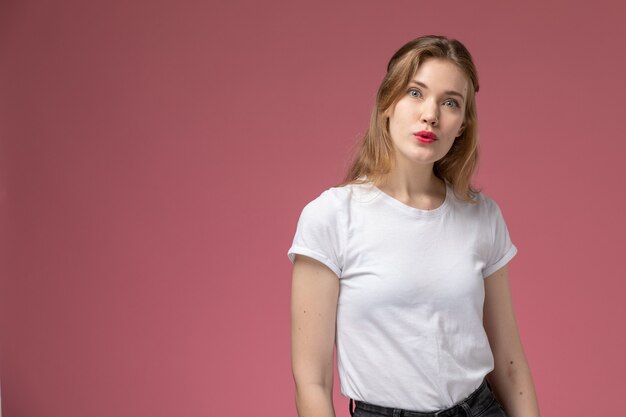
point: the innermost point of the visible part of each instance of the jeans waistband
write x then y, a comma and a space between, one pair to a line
477, 401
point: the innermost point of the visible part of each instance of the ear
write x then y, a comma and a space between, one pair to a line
389, 110
461, 130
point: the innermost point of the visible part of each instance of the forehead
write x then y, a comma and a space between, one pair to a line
441, 74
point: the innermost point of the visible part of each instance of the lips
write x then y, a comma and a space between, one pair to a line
426, 135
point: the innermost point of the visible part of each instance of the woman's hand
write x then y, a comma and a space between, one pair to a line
511, 379
314, 296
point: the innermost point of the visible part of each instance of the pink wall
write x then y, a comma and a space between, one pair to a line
155, 156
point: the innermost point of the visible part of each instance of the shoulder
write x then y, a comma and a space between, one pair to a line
328, 200
484, 210
486, 202
482, 204
490, 212
328, 207
321, 231
331, 199
491, 207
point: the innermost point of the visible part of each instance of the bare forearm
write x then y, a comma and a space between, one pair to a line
515, 390
313, 400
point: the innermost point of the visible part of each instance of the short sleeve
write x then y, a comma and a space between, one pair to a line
319, 232
502, 250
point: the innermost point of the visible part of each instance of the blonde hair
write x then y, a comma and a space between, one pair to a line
374, 154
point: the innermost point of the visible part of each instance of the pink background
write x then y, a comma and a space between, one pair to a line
155, 157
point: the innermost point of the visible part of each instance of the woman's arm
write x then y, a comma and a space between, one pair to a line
511, 378
314, 295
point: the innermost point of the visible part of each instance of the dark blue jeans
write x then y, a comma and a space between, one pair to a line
480, 403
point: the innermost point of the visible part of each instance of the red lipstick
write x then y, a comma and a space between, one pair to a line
425, 136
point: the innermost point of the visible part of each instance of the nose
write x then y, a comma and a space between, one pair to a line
430, 113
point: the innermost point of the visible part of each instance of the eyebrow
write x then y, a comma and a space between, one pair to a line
449, 92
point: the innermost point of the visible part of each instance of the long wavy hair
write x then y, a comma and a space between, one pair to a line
374, 156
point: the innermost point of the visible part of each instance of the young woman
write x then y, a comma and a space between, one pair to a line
403, 265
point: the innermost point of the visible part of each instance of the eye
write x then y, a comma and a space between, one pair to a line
414, 90
453, 102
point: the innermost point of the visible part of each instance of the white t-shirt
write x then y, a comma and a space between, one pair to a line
409, 316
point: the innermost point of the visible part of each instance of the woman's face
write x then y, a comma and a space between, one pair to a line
434, 101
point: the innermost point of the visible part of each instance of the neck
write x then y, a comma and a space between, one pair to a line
413, 183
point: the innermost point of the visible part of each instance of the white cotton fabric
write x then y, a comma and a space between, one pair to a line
409, 316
